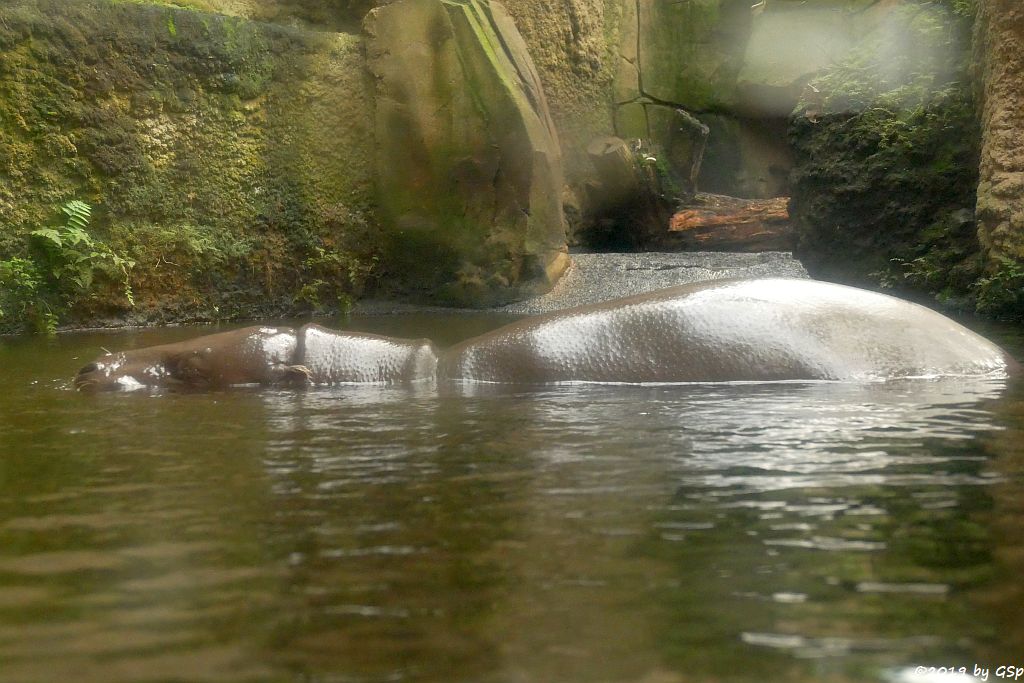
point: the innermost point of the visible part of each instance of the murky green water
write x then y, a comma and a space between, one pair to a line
793, 532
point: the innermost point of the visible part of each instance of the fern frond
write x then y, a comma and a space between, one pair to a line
78, 213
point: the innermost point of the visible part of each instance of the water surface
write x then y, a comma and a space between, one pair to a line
661, 534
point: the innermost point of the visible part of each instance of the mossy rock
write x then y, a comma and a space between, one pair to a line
469, 169
220, 154
886, 147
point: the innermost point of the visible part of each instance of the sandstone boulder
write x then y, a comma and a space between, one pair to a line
469, 168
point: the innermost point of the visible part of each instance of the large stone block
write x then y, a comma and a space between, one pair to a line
738, 56
690, 53
1001, 188
740, 67
469, 169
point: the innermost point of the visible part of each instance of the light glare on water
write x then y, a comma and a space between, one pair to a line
656, 534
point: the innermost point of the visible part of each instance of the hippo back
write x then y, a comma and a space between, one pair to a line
334, 357
741, 330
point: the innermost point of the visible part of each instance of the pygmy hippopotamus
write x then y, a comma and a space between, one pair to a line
717, 331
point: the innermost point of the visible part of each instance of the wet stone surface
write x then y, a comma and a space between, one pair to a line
600, 277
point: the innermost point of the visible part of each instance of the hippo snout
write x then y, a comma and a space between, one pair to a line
86, 369
107, 372
88, 376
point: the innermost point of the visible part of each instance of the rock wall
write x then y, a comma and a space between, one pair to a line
469, 167
999, 50
885, 143
573, 44
236, 162
738, 66
232, 160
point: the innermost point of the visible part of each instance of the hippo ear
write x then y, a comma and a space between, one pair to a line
188, 367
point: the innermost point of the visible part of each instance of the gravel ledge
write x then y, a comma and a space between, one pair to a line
599, 277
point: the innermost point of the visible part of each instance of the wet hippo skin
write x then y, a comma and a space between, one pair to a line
265, 355
333, 357
252, 355
738, 330
754, 330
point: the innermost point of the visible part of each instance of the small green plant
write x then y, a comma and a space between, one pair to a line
62, 270
73, 257
333, 275
21, 296
921, 272
1002, 292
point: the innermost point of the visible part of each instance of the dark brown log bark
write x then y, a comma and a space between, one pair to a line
720, 223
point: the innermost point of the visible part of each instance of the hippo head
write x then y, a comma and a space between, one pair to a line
252, 355
128, 370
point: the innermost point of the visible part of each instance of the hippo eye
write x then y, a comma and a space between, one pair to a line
91, 367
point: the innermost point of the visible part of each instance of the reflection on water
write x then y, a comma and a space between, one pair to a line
800, 531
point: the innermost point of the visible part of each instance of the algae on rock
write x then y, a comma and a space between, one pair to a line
219, 153
999, 38
737, 66
886, 159
469, 168
573, 44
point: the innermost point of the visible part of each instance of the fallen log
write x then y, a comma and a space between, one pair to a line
720, 223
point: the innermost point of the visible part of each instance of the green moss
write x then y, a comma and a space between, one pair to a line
318, 14
963, 8
1000, 292
692, 52
886, 161
201, 5
249, 142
